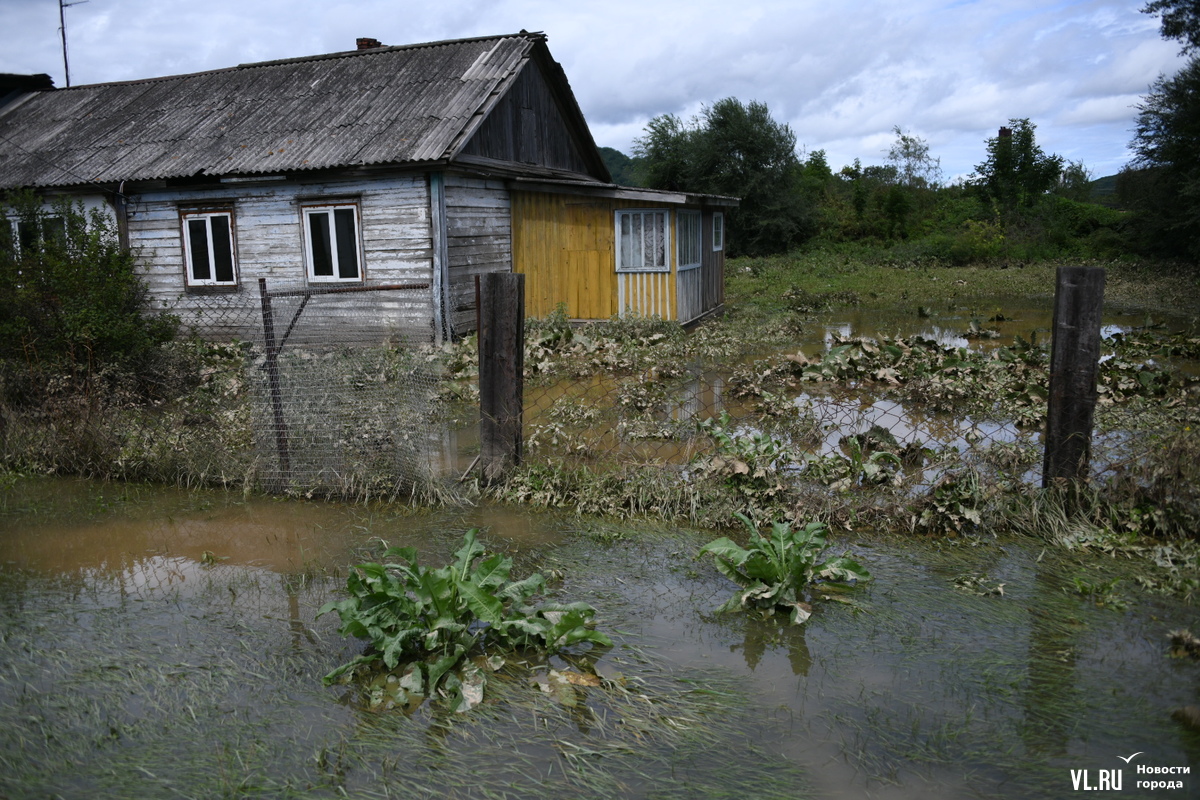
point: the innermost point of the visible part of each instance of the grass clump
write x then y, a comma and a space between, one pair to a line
439, 632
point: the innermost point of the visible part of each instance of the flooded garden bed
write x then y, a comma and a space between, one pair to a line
165, 643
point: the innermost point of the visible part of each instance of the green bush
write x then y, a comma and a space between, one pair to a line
68, 290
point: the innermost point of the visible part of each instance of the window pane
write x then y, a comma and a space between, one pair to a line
637, 236
347, 243
660, 241
198, 244
322, 254
6, 237
626, 241
222, 249
27, 235
54, 231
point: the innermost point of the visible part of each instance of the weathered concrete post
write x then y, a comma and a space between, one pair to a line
272, 367
1074, 363
501, 372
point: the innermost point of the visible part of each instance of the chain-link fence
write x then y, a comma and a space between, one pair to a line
341, 390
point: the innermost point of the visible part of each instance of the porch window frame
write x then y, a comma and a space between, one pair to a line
686, 261
642, 214
330, 208
718, 231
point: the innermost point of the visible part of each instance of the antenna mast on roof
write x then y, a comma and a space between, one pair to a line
62, 22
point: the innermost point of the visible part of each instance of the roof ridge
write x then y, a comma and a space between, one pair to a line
536, 36
391, 49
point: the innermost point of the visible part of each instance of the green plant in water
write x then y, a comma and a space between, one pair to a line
776, 571
749, 463
438, 632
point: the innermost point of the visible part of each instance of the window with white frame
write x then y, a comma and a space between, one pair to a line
718, 231
18, 233
642, 241
331, 243
687, 238
208, 251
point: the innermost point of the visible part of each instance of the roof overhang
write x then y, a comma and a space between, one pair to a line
617, 192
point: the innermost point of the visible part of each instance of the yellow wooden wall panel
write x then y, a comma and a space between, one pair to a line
566, 247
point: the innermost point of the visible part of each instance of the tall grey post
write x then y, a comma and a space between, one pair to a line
1074, 363
501, 372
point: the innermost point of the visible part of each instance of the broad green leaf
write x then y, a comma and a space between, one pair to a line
483, 604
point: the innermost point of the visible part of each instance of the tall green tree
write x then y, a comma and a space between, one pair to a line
1163, 181
915, 167
1180, 21
1017, 172
736, 149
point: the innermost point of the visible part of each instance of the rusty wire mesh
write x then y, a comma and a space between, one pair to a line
339, 386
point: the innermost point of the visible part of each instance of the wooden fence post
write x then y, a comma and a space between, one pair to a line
501, 372
1074, 363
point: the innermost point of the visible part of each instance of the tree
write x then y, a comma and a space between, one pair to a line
915, 168
1180, 21
1164, 182
1017, 171
738, 150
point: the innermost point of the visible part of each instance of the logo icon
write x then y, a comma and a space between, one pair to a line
1127, 759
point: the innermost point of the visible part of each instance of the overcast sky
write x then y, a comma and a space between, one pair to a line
842, 74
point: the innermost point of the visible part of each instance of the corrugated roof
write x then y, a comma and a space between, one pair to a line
391, 105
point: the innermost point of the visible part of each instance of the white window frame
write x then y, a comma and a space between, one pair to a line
186, 217
718, 231
633, 258
16, 223
307, 212
686, 240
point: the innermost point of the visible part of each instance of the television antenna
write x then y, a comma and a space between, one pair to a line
62, 22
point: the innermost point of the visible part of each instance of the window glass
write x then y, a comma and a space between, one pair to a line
642, 241
201, 258
718, 231
687, 226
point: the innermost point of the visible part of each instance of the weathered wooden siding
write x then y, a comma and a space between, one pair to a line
566, 246
690, 294
712, 265
395, 234
479, 233
527, 126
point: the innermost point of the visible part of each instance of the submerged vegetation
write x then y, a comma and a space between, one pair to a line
778, 570
440, 632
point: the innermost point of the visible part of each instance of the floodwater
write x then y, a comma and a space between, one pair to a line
161, 643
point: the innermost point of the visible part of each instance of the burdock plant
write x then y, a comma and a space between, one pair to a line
438, 632
777, 571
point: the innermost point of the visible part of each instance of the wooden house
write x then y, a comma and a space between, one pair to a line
420, 166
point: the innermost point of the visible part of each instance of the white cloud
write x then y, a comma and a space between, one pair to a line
842, 75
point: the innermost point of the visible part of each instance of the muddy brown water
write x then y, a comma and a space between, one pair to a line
155, 642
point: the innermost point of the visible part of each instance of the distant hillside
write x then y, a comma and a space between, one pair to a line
1104, 191
624, 170
1104, 186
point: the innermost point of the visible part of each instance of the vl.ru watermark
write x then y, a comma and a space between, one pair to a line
1140, 777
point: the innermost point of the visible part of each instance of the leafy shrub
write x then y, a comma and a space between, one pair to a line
776, 571
68, 290
429, 623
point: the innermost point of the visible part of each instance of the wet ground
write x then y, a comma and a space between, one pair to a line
159, 643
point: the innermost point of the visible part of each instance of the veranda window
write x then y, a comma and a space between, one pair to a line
642, 241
